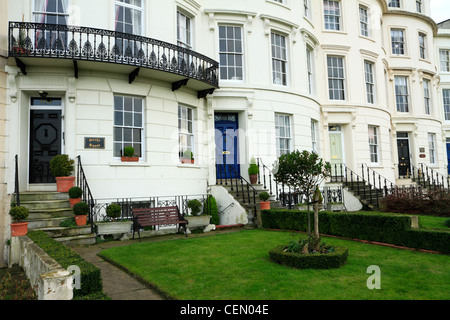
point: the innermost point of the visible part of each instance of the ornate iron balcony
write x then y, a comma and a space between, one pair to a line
28, 39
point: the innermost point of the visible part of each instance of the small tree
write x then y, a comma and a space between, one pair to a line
303, 172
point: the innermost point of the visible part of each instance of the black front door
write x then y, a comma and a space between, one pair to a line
45, 143
404, 163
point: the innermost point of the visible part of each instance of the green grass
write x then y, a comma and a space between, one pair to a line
430, 222
236, 266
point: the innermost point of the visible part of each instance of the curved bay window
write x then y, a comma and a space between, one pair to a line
49, 12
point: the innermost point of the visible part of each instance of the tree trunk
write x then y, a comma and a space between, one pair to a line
316, 224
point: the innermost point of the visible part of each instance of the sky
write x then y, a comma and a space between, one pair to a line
440, 10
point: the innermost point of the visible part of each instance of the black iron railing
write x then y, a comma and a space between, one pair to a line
87, 194
16, 181
127, 205
28, 39
376, 179
429, 178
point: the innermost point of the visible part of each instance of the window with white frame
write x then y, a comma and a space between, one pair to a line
432, 147
422, 45
374, 144
444, 59
401, 93
364, 21
398, 41
370, 81
283, 134
336, 78
128, 125
231, 53
279, 59
51, 12
307, 6
315, 136
186, 132
332, 15
419, 6
446, 98
184, 28
129, 16
394, 4
427, 96
310, 68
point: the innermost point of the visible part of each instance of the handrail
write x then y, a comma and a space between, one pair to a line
87, 194
29, 39
16, 182
376, 177
433, 181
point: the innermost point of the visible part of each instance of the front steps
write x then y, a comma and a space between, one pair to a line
47, 209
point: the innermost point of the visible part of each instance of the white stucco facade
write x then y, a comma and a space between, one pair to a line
278, 76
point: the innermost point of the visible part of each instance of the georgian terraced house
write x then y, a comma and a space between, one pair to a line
365, 84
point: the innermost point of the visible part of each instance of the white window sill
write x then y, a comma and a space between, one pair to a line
119, 163
189, 165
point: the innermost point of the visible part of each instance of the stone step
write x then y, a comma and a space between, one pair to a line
80, 240
44, 205
37, 196
51, 213
64, 232
34, 224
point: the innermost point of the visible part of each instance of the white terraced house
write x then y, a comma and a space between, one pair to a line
201, 88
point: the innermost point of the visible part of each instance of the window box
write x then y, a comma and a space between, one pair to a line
129, 159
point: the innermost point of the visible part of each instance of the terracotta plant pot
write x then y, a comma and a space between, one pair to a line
253, 178
265, 205
19, 229
74, 201
129, 159
63, 184
81, 220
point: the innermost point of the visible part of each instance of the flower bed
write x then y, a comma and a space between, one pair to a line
329, 260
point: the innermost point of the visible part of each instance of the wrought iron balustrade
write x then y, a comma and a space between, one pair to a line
28, 39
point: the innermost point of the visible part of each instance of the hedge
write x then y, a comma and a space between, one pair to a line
378, 227
91, 280
305, 261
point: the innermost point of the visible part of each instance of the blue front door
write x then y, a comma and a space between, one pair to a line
226, 136
448, 157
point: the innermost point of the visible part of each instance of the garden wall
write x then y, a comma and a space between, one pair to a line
377, 227
48, 278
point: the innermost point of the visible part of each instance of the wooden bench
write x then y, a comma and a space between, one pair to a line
162, 216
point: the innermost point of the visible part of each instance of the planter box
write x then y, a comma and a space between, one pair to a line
196, 222
129, 159
335, 206
121, 228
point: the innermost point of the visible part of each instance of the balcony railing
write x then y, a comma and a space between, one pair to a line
28, 39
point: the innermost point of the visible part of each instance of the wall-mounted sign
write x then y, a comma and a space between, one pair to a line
94, 143
422, 150
422, 156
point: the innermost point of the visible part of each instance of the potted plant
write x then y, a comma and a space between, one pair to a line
264, 197
253, 171
114, 211
81, 210
195, 220
19, 228
128, 155
75, 194
61, 167
188, 157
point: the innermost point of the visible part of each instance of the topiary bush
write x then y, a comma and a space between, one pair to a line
75, 192
195, 206
264, 196
81, 209
212, 209
128, 152
113, 211
19, 213
61, 165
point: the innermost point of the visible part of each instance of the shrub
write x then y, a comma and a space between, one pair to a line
264, 196
113, 211
447, 223
379, 227
211, 207
195, 206
75, 192
128, 152
61, 165
19, 213
91, 280
81, 209
334, 259
253, 169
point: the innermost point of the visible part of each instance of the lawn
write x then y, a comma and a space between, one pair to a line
236, 266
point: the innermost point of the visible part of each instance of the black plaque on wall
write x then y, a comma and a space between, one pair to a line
94, 143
